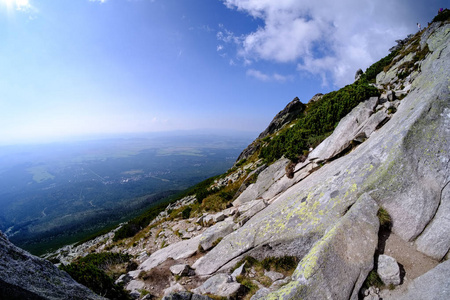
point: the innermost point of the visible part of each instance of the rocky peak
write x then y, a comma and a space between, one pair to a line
288, 114
291, 112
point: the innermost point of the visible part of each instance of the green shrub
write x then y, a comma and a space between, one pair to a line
372, 71
443, 16
384, 217
186, 213
373, 280
90, 272
318, 121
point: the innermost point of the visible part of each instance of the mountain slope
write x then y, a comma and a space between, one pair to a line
331, 223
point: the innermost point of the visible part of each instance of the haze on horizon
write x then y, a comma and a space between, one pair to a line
90, 67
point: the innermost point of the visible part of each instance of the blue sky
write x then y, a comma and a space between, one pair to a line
77, 67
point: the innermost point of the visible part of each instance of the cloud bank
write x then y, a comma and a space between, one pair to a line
328, 38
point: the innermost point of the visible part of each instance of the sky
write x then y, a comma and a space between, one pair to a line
85, 67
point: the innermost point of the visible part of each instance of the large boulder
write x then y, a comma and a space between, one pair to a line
221, 285
216, 232
25, 276
176, 251
265, 180
345, 251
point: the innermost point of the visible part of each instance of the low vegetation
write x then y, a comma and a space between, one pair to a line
318, 121
97, 271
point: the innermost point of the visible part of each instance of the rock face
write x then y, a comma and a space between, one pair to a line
24, 276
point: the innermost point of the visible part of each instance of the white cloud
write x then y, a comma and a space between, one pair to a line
328, 38
101, 1
219, 47
19, 5
265, 77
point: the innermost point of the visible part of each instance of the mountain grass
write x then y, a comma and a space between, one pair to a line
318, 121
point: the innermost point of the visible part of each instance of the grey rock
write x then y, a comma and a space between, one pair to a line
135, 286
315, 98
358, 74
220, 216
388, 270
288, 114
213, 233
239, 271
200, 297
25, 276
181, 269
221, 285
176, 288
345, 132
208, 220
433, 285
124, 279
266, 178
180, 250
434, 240
185, 296
274, 276
347, 248
248, 210
260, 294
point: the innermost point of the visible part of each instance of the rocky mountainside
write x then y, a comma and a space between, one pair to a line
363, 215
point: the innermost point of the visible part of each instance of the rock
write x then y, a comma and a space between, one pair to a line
176, 288
180, 270
266, 178
220, 216
372, 291
345, 132
239, 271
213, 233
288, 114
388, 270
274, 276
433, 285
292, 111
373, 123
315, 98
230, 211
248, 210
185, 296
358, 74
221, 285
124, 279
199, 220
186, 235
25, 276
346, 249
279, 283
260, 294
135, 286
208, 220
180, 250
434, 241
